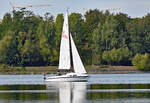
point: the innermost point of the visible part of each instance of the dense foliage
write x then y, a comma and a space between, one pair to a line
142, 62
27, 39
117, 56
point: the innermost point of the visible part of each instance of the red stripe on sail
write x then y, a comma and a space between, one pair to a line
66, 25
64, 35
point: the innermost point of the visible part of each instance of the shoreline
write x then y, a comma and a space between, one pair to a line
90, 70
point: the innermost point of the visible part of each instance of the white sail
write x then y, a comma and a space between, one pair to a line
77, 63
64, 57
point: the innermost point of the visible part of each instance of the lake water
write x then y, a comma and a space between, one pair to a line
100, 88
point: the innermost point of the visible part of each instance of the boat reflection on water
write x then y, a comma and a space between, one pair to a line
69, 92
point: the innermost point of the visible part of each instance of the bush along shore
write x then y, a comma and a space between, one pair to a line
54, 69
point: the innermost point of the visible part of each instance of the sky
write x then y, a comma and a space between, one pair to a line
134, 8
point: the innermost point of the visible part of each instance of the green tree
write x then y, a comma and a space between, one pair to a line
97, 45
121, 56
142, 62
136, 35
146, 31
8, 49
30, 54
6, 25
58, 26
46, 35
106, 57
92, 19
76, 27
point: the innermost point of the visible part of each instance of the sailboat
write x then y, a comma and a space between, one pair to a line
68, 53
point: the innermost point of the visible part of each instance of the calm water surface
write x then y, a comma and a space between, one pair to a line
100, 88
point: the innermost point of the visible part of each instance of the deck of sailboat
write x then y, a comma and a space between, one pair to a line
68, 77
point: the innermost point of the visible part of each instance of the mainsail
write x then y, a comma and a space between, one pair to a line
77, 63
64, 57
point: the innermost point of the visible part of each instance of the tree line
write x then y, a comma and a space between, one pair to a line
101, 37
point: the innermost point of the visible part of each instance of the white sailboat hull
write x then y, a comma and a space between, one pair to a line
66, 79
69, 77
